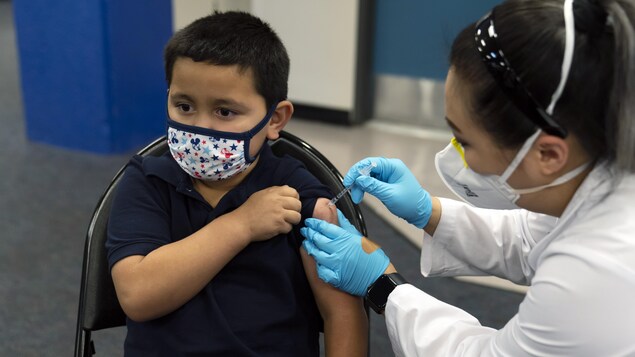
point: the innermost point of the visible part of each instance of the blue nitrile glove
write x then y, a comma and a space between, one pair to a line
341, 260
395, 186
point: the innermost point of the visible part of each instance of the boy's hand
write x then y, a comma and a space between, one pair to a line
270, 212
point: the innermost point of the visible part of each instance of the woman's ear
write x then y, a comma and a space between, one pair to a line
279, 119
553, 154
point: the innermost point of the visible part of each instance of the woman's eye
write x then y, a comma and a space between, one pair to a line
461, 142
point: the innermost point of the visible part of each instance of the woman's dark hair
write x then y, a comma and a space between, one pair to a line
234, 38
598, 102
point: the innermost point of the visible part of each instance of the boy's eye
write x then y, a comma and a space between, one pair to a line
224, 112
186, 108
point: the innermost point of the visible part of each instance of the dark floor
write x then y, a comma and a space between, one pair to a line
46, 197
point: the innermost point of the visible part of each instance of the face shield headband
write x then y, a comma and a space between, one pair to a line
507, 79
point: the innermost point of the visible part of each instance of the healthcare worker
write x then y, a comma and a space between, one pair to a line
540, 97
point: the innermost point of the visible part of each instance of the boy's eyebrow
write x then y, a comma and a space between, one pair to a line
217, 101
230, 102
180, 96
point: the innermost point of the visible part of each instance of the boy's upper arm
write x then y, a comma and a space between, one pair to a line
138, 223
331, 301
315, 197
308, 186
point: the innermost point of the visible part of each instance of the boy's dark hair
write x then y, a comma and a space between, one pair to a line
234, 38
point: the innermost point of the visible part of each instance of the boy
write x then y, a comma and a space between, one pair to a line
202, 242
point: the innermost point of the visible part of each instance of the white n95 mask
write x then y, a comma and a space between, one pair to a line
212, 155
488, 191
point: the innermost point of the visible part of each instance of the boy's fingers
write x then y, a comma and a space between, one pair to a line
293, 217
291, 204
288, 191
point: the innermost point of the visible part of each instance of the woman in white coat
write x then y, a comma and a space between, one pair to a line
540, 97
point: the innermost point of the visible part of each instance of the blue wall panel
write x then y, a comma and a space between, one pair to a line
137, 32
91, 71
413, 37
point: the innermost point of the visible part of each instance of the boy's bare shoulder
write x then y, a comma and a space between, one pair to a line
325, 212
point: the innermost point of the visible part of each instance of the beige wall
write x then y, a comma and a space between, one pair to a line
320, 37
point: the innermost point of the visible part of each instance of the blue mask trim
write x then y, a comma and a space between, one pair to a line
246, 136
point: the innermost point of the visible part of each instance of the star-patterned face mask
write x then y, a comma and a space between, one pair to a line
209, 154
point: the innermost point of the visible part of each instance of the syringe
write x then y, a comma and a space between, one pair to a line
364, 171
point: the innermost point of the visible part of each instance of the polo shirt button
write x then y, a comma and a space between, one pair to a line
189, 189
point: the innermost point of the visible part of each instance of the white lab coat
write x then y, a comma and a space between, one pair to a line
580, 268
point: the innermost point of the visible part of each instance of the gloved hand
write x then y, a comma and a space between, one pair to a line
395, 186
341, 260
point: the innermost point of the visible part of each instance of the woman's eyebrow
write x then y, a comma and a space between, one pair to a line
452, 125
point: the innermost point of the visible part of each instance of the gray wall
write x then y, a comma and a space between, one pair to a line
412, 43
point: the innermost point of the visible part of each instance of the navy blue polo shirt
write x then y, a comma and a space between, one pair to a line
259, 304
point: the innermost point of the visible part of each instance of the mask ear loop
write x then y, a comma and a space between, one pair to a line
559, 181
520, 156
251, 133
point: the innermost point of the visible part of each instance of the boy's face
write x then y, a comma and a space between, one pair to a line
216, 97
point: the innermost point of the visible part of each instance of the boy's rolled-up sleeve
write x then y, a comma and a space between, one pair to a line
138, 222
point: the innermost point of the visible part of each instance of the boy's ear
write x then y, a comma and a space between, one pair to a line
279, 119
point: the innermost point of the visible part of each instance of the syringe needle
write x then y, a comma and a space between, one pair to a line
340, 195
364, 172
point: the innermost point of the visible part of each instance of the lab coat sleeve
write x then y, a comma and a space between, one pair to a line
420, 325
477, 241
579, 304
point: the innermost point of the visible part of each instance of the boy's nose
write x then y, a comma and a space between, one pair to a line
205, 121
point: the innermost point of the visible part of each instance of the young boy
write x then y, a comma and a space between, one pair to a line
203, 242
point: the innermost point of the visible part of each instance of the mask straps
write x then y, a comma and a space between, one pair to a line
559, 181
520, 156
569, 46
255, 130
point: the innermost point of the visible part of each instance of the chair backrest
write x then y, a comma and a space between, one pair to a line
98, 304
323, 170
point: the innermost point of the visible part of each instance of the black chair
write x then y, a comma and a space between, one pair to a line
98, 305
